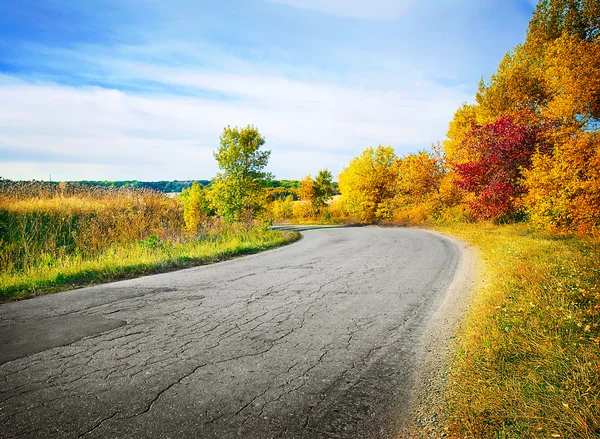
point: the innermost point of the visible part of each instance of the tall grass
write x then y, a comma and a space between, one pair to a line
528, 359
57, 236
41, 223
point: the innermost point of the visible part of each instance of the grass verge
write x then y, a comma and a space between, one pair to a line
134, 260
528, 354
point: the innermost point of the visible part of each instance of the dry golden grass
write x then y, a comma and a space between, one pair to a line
41, 222
54, 237
528, 358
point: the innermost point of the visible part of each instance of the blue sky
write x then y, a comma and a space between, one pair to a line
141, 89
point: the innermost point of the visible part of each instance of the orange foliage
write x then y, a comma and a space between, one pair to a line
564, 187
573, 80
305, 191
518, 84
419, 175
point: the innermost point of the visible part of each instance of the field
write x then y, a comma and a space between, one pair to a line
528, 357
56, 237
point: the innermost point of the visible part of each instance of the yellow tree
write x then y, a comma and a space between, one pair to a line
517, 84
419, 181
564, 187
573, 81
196, 207
461, 123
564, 182
368, 184
554, 18
305, 192
282, 209
419, 175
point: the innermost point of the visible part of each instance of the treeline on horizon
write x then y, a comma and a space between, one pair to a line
168, 186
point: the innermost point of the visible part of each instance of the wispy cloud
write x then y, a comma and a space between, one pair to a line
181, 132
369, 9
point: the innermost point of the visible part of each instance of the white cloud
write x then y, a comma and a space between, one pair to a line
369, 9
308, 125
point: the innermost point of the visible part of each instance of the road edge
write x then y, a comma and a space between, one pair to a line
427, 409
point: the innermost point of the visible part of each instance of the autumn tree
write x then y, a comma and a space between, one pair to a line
573, 81
501, 150
554, 18
564, 186
283, 209
196, 207
306, 189
419, 175
564, 181
368, 184
316, 192
525, 79
532, 136
238, 190
517, 84
305, 193
522, 78
459, 127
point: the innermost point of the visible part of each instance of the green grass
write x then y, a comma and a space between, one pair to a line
134, 260
528, 354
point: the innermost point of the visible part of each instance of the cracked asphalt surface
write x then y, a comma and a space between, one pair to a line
318, 339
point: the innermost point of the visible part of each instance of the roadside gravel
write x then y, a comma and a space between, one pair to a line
427, 419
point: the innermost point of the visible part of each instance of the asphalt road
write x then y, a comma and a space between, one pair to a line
318, 339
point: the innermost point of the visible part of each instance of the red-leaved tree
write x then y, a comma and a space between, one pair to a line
499, 152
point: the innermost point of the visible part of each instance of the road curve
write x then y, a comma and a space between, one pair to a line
318, 339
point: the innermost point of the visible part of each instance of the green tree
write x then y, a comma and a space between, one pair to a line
323, 189
238, 190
